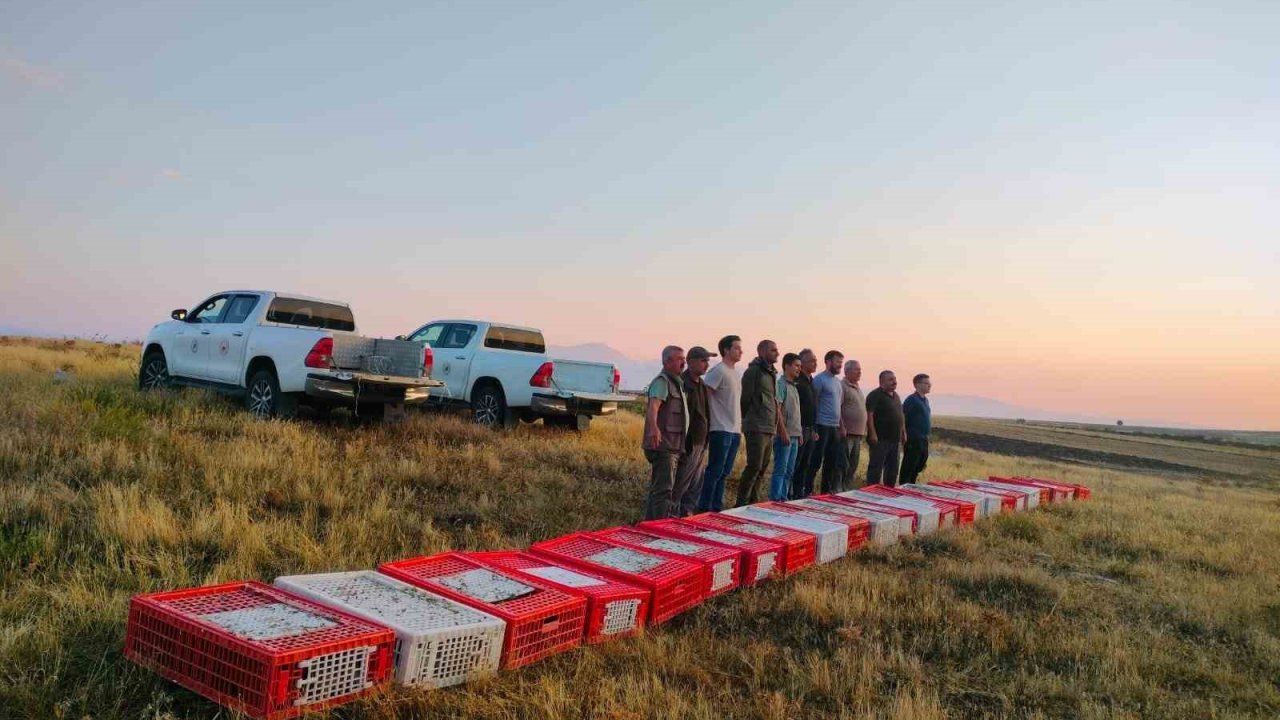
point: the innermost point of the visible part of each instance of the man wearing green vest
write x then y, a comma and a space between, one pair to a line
666, 422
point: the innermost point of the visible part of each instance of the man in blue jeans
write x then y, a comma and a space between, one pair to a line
724, 400
785, 447
828, 449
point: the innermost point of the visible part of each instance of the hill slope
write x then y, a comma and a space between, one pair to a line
1155, 599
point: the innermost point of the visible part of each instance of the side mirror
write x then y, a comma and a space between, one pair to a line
179, 314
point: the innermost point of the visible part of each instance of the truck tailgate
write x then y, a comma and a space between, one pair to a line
378, 356
578, 377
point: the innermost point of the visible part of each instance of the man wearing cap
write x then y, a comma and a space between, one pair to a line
666, 422
688, 485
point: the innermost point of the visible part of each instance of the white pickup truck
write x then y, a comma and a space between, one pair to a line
503, 374
279, 350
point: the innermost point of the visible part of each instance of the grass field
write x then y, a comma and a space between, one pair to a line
1158, 598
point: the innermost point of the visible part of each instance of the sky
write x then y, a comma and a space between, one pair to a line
1071, 208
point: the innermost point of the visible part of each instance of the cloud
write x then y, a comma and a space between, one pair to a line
32, 75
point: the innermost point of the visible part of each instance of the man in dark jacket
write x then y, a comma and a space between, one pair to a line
808, 413
762, 420
919, 420
688, 486
666, 423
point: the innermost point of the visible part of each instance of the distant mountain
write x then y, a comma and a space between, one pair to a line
985, 407
636, 374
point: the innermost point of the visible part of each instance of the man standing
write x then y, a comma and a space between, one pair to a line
853, 411
761, 419
828, 447
724, 400
785, 447
666, 423
885, 430
919, 420
684, 495
804, 384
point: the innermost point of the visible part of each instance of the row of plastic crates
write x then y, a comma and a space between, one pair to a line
313, 641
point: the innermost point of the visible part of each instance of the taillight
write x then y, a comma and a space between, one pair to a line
617, 379
428, 361
321, 355
542, 378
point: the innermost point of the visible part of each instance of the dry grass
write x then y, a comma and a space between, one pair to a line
1156, 599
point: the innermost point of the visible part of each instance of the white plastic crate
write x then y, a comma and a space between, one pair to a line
929, 517
833, 538
439, 642
885, 528
984, 505
1030, 495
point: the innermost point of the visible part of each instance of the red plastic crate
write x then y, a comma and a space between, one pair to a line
760, 559
859, 528
677, 585
257, 649
1071, 491
539, 623
800, 550
947, 511
887, 509
1008, 501
723, 565
1048, 493
615, 609
966, 512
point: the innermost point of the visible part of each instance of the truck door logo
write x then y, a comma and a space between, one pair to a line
223, 347
195, 345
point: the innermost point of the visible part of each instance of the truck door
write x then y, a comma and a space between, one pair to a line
227, 340
454, 352
191, 341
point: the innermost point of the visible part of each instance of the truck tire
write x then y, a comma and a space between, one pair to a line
489, 407
580, 423
153, 373
264, 400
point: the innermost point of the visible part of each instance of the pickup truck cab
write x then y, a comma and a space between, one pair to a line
280, 350
502, 372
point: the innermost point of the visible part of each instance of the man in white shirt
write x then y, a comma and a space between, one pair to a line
724, 396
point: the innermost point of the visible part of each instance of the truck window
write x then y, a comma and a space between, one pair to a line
239, 309
457, 337
210, 311
310, 313
502, 338
430, 334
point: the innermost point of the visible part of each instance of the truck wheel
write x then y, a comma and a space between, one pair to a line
153, 374
264, 399
580, 423
489, 407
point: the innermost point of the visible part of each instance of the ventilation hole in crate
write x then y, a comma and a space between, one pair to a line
721, 575
458, 658
335, 675
620, 616
765, 564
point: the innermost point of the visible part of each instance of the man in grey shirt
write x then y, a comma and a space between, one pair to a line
854, 412
828, 449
